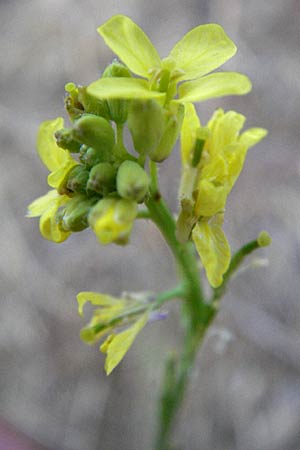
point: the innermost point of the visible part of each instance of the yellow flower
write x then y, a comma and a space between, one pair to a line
112, 219
46, 208
57, 160
200, 51
110, 319
207, 181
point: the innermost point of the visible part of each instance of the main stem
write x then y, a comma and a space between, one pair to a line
199, 314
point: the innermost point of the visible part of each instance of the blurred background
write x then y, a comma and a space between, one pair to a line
245, 390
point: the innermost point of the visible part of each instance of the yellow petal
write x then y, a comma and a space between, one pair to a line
122, 88
51, 155
41, 204
202, 50
96, 298
57, 178
116, 346
252, 136
215, 85
211, 199
128, 41
189, 128
49, 227
213, 249
226, 127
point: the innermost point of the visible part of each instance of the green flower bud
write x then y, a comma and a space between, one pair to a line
102, 178
89, 156
91, 104
77, 179
146, 122
170, 135
118, 109
72, 105
116, 69
64, 139
96, 132
132, 181
74, 216
264, 239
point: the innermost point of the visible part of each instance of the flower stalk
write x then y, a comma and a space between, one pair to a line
107, 185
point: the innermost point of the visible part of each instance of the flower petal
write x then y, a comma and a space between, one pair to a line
117, 345
57, 178
96, 298
189, 128
128, 41
202, 50
122, 88
213, 248
49, 227
211, 198
215, 85
252, 136
41, 204
49, 152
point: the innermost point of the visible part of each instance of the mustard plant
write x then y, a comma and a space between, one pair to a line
98, 182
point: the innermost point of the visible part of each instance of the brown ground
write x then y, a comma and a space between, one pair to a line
52, 386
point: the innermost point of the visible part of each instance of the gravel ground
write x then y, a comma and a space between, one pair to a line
245, 391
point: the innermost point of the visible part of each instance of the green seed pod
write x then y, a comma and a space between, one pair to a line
64, 139
91, 104
75, 215
132, 181
146, 122
102, 178
77, 179
170, 135
118, 109
96, 132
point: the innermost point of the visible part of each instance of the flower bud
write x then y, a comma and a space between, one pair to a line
72, 105
96, 132
64, 139
132, 181
89, 156
112, 219
77, 179
264, 239
102, 178
74, 217
91, 104
170, 135
118, 109
116, 69
146, 123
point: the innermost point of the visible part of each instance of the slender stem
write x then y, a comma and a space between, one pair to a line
175, 382
199, 314
143, 214
236, 261
161, 298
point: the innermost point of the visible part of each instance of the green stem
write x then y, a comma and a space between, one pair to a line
199, 313
161, 298
184, 254
236, 261
175, 382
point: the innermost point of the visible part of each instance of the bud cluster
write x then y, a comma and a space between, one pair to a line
102, 181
